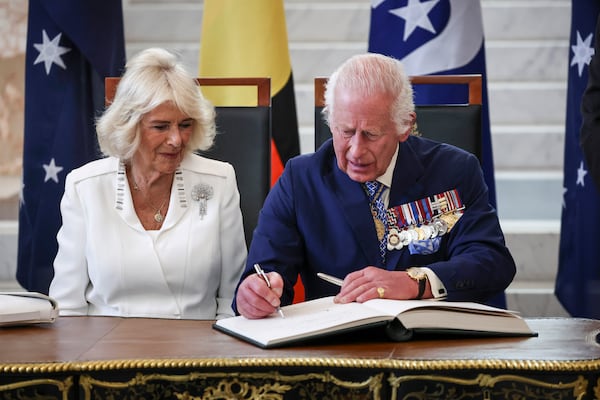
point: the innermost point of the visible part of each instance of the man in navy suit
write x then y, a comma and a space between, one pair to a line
428, 232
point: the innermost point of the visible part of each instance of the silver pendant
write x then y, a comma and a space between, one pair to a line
158, 217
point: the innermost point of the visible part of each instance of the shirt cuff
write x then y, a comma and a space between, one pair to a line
437, 287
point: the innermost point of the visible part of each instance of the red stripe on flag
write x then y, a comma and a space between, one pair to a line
276, 164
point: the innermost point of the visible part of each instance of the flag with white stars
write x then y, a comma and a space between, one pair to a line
438, 37
72, 45
578, 278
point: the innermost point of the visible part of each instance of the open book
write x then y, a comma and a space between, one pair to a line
18, 308
401, 319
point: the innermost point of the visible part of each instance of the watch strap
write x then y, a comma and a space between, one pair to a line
421, 278
422, 284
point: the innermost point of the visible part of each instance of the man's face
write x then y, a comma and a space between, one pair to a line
365, 137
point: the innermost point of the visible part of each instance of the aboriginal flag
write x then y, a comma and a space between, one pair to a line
249, 39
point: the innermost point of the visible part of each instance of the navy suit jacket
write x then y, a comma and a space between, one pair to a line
316, 219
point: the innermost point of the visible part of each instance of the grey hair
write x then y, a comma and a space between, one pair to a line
370, 74
152, 77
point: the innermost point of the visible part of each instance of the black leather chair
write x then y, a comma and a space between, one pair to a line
456, 124
243, 139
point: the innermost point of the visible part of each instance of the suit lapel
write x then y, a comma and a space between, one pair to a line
407, 174
405, 186
353, 204
123, 199
178, 202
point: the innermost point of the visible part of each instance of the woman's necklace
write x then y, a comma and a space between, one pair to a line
158, 216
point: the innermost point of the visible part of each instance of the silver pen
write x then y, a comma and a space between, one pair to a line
330, 279
261, 273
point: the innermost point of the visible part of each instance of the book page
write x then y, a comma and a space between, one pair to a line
460, 320
396, 307
312, 317
448, 315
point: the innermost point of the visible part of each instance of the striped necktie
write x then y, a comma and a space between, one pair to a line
375, 191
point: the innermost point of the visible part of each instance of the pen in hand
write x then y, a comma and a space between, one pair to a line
261, 273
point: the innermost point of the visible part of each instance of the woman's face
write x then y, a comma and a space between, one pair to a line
165, 131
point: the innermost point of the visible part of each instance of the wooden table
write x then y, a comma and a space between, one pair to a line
98, 357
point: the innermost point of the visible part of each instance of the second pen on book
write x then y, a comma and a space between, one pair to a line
330, 279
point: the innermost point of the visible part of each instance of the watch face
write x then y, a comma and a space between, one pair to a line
416, 274
421, 278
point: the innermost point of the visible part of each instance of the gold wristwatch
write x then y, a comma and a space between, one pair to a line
420, 277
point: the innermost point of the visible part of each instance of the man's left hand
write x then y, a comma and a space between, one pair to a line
373, 283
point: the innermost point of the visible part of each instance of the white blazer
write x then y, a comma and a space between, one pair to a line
108, 264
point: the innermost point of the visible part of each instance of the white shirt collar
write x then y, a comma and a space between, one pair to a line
386, 178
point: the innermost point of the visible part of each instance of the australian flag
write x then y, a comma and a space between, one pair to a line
72, 45
578, 278
441, 37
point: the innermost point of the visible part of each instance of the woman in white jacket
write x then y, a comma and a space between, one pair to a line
152, 230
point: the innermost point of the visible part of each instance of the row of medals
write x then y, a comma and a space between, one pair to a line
439, 226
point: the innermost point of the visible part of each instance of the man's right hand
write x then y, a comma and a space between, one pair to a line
255, 299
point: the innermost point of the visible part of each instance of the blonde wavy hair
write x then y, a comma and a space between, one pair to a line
152, 77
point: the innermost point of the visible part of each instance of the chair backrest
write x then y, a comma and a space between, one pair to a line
243, 139
456, 124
